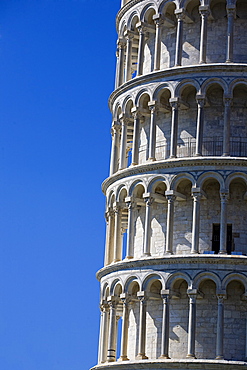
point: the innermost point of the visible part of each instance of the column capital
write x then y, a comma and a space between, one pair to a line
115, 127
104, 306
158, 19
141, 26
192, 294
200, 99
112, 301
174, 103
204, 10
124, 119
129, 35
148, 199
221, 297
125, 298
136, 112
170, 195
165, 294
196, 193
227, 100
180, 14
224, 195
117, 207
121, 43
231, 9
142, 296
153, 105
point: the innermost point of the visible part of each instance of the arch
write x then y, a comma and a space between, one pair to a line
122, 28
139, 96
114, 285
116, 110
164, 4
214, 81
182, 176
127, 101
184, 84
206, 276
159, 89
172, 278
108, 201
146, 9
236, 83
150, 278
104, 291
129, 281
211, 175
131, 18
234, 276
119, 191
235, 176
156, 180
134, 184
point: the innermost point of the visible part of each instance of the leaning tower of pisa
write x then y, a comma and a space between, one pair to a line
173, 286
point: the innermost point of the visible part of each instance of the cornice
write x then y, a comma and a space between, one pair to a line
173, 364
178, 73
173, 260
174, 164
125, 8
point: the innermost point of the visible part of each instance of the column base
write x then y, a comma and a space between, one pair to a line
164, 357
194, 252
129, 257
167, 253
191, 356
111, 360
172, 156
123, 358
140, 356
116, 261
219, 358
146, 255
134, 164
151, 159
222, 252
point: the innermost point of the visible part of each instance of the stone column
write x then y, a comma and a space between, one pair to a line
130, 231
104, 332
196, 194
174, 127
220, 328
147, 231
179, 41
129, 39
200, 123
111, 352
121, 51
152, 137
125, 328
226, 134
117, 255
230, 17
192, 323
203, 10
115, 132
109, 215
142, 37
123, 144
170, 196
223, 221
157, 52
136, 135
142, 327
165, 325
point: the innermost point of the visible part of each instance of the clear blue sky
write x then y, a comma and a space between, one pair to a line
57, 65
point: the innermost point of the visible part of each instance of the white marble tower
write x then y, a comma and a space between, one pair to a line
173, 287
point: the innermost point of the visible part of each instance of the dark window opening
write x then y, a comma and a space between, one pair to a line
216, 239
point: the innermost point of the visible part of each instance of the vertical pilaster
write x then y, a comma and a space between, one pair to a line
111, 352
130, 231
109, 245
115, 132
227, 118
223, 221
129, 41
157, 51
230, 26
123, 144
146, 247
125, 327
170, 196
203, 10
121, 60
200, 123
196, 194
174, 127
104, 332
220, 328
142, 327
142, 37
165, 325
179, 41
152, 137
117, 256
136, 135
192, 323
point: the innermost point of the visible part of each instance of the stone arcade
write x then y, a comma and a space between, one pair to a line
173, 288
